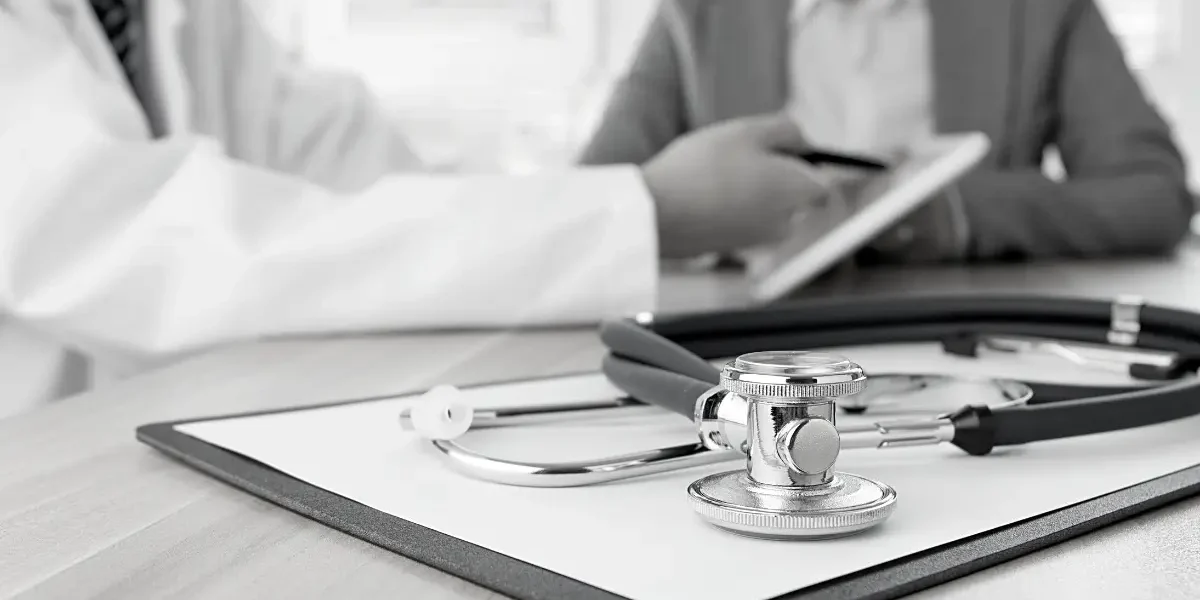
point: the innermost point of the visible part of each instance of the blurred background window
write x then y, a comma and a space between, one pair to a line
1149, 30
478, 84
516, 85
1162, 40
1151, 34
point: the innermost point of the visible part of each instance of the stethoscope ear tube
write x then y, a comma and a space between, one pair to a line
949, 334
844, 313
959, 323
1090, 415
673, 391
642, 345
980, 429
854, 321
974, 430
1047, 393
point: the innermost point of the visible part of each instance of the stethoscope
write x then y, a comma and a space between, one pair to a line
774, 405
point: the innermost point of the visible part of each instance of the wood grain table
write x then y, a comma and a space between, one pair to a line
88, 512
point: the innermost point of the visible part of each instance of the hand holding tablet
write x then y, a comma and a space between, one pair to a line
872, 197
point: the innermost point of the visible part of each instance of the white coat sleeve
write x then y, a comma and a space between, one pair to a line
271, 110
136, 250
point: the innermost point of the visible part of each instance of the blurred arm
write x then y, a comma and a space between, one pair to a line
1127, 189
133, 250
645, 111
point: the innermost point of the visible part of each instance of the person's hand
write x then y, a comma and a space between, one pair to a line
935, 232
730, 186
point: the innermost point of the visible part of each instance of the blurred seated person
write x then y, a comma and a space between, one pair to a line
873, 76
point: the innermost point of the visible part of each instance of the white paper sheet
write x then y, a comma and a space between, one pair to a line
639, 538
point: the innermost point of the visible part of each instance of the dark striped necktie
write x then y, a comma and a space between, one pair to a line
123, 24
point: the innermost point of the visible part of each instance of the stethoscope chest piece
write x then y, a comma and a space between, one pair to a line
789, 488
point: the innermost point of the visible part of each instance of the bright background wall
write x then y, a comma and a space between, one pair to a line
517, 84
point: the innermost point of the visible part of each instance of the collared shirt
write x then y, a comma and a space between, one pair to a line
860, 73
861, 81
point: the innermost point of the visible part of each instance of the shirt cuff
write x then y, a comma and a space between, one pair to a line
960, 224
632, 242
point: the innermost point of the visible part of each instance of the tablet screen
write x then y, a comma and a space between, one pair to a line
868, 204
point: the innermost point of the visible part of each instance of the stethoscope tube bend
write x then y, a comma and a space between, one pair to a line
774, 406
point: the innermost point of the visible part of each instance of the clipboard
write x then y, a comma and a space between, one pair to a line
522, 580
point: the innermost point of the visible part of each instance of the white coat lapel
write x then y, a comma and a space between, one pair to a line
85, 73
165, 69
160, 79
76, 18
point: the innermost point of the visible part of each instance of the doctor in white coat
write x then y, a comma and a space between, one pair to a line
221, 193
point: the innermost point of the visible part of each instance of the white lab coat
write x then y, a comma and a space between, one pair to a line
131, 251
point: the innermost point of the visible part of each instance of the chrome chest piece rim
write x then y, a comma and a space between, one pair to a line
788, 488
847, 505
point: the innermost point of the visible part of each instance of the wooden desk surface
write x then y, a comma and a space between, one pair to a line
88, 512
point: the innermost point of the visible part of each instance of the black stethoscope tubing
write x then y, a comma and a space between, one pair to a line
665, 362
903, 310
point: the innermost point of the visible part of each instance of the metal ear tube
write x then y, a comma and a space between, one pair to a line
779, 409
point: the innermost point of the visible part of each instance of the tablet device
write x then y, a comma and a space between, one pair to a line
826, 235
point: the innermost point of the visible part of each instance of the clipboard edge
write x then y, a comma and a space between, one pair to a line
488, 569
515, 578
